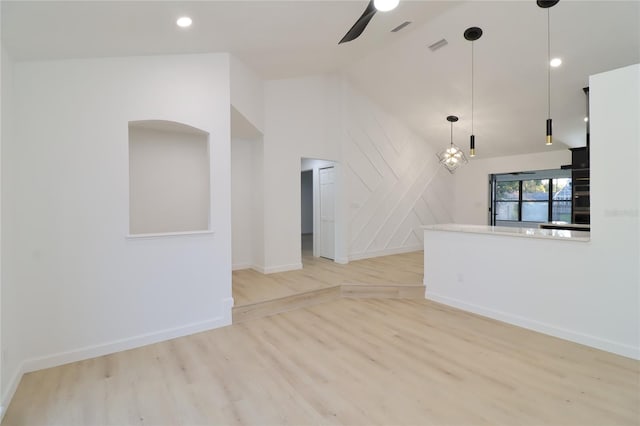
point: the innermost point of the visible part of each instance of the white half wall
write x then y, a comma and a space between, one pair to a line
81, 287
587, 292
471, 182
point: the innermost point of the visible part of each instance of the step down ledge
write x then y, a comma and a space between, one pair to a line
390, 291
284, 304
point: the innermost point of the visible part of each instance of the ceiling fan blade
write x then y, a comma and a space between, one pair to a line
360, 24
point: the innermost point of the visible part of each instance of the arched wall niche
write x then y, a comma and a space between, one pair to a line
169, 178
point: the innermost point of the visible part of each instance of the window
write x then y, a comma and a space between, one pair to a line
535, 200
507, 200
561, 208
534, 197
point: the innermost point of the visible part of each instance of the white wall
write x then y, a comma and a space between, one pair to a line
257, 205
394, 182
471, 182
82, 289
242, 201
586, 292
302, 119
3, 99
388, 182
168, 178
247, 93
247, 127
306, 201
10, 328
615, 202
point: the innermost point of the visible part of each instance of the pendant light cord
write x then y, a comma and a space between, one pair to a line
549, 61
472, 88
451, 133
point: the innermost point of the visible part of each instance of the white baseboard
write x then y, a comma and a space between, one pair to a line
573, 336
11, 390
93, 351
259, 268
241, 265
281, 268
385, 252
227, 309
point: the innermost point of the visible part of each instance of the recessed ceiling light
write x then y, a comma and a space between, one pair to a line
555, 62
184, 22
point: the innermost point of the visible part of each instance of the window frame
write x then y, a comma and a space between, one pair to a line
551, 175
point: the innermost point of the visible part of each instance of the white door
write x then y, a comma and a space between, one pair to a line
327, 216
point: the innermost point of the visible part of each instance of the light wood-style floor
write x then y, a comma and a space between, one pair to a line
346, 362
250, 286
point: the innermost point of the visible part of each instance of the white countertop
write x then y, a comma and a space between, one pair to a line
553, 234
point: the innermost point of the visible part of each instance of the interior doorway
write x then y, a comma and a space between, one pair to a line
306, 212
317, 208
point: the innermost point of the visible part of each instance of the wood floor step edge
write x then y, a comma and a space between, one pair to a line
360, 284
313, 297
391, 291
284, 304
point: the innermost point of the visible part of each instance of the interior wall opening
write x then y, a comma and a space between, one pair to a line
306, 212
317, 209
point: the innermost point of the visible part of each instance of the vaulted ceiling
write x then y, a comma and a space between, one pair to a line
281, 39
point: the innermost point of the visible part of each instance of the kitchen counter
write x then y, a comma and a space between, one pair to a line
553, 234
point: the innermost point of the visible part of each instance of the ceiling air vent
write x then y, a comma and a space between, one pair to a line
401, 26
438, 44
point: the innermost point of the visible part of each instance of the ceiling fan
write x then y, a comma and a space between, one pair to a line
362, 22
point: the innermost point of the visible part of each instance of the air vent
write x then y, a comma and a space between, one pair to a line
401, 26
438, 44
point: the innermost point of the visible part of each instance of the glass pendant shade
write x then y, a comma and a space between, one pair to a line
452, 157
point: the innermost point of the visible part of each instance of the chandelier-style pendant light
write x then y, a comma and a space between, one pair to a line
452, 157
472, 34
548, 4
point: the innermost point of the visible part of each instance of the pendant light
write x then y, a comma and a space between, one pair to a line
472, 34
548, 4
452, 157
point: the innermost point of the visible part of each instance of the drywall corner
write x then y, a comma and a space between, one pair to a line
10, 391
247, 92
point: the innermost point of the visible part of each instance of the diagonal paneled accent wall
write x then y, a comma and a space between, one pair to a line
394, 182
